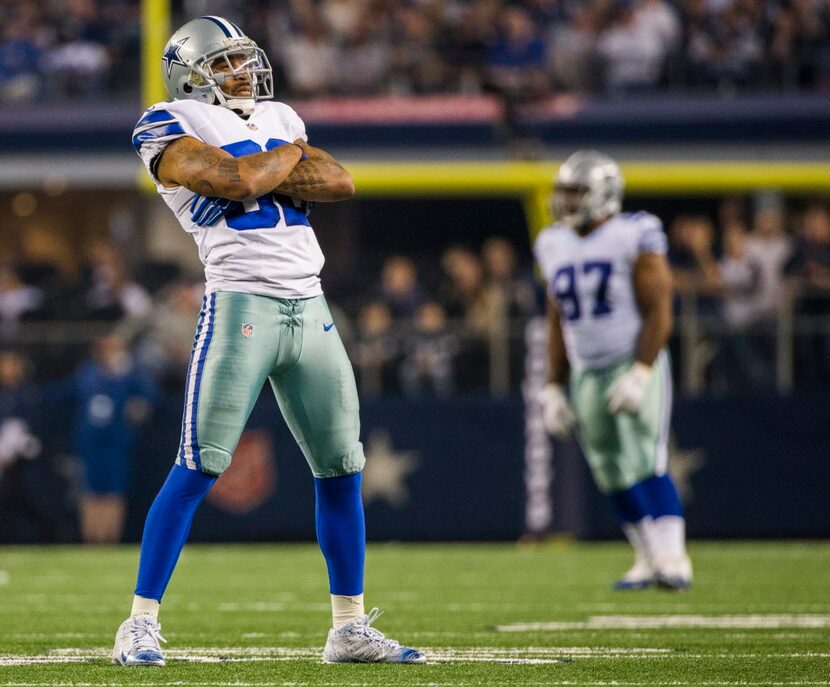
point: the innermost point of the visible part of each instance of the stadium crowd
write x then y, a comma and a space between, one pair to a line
525, 49
431, 323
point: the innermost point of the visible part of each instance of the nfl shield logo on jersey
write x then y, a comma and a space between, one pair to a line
247, 329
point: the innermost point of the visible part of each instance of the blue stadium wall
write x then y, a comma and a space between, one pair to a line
454, 470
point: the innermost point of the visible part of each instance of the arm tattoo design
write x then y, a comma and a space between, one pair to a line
205, 188
309, 175
230, 170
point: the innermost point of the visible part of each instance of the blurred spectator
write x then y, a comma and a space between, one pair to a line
503, 281
79, 63
114, 399
691, 256
112, 293
810, 268
463, 292
20, 60
464, 297
310, 59
725, 46
516, 58
343, 16
571, 52
511, 297
168, 340
376, 351
738, 366
740, 276
399, 287
429, 350
87, 49
17, 404
464, 44
367, 55
696, 279
811, 261
16, 300
658, 18
770, 248
417, 65
31, 493
633, 50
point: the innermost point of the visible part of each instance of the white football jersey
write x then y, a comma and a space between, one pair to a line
591, 280
264, 246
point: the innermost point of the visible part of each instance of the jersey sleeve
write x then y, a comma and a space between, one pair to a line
159, 125
297, 125
650, 235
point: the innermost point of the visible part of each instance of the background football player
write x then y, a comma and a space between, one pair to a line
609, 311
236, 170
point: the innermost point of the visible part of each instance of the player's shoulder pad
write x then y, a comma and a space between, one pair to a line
169, 120
277, 106
642, 220
558, 231
159, 122
548, 240
287, 114
647, 231
544, 237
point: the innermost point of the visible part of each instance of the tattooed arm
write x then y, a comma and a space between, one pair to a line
211, 171
320, 178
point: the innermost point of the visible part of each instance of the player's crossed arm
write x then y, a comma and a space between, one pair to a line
219, 179
317, 177
211, 171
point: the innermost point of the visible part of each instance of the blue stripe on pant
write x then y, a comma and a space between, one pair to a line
189, 453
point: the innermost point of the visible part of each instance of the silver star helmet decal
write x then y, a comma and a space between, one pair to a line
171, 55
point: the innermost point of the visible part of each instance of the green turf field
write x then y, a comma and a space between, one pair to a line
759, 614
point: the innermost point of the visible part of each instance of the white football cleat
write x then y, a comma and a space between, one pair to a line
358, 642
137, 642
674, 573
640, 576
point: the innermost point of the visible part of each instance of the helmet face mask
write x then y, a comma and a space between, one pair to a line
569, 205
204, 53
588, 189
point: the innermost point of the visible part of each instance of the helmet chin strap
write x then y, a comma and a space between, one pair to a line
244, 107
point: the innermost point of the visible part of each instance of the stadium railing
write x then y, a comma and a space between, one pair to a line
705, 349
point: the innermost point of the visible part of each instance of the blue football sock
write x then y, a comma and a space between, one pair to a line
341, 531
166, 528
632, 504
662, 496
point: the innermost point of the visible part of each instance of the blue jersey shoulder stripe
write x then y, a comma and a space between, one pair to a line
157, 132
155, 116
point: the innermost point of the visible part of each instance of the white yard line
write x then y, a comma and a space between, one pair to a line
436, 655
646, 622
488, 683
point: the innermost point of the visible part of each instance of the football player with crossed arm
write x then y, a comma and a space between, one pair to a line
609, 312
237, 171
